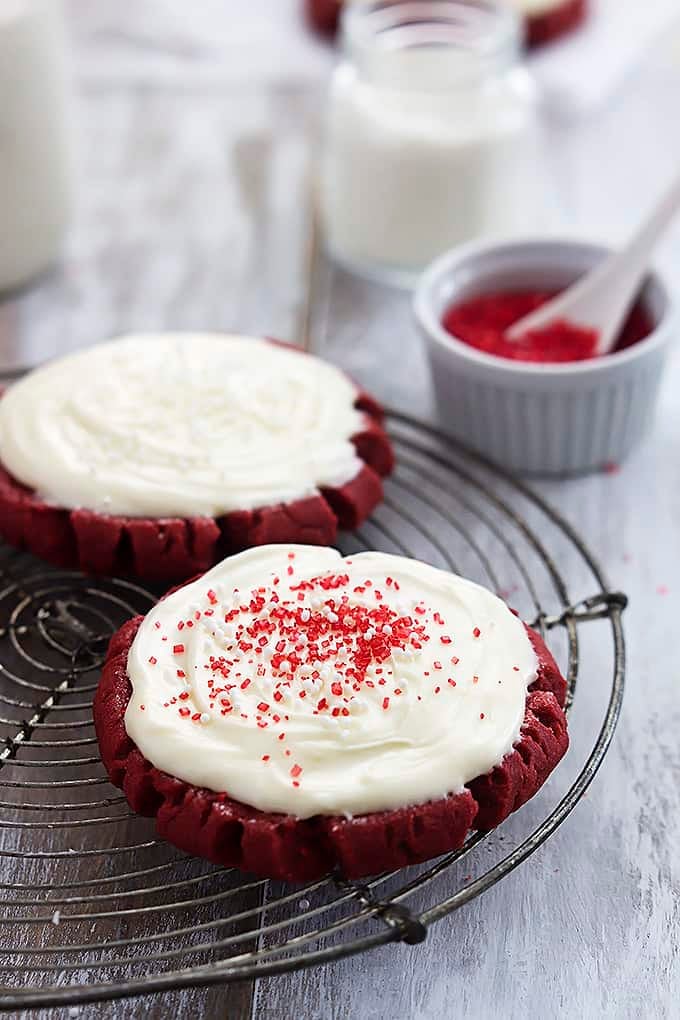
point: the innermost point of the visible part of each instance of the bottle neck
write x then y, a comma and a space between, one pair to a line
431, 45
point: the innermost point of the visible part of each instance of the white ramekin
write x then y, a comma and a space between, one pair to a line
534, 418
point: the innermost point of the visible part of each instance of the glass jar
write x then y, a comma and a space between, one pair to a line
35, 139
431, 134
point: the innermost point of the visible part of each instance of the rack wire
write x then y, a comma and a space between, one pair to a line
93, 907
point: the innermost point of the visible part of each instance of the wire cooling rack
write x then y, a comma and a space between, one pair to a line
92, 907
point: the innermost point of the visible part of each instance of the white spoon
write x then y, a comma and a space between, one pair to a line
603, 298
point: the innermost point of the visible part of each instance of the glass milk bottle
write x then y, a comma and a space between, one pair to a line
35, 142
431, 134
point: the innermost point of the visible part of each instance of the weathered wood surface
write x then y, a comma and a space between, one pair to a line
197, 129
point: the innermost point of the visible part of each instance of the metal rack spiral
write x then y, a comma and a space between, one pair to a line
93, 907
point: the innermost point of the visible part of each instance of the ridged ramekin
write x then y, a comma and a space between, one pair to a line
544, 419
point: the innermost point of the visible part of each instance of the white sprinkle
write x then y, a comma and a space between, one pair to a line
303, 904
303, 640
204, 718
332, 617
284, 666
305, 615
56, 917
387, 629
369, 634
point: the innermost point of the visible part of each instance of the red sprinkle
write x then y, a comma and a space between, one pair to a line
482, 322
386, 703
295, 771
476, 632
178, 649
153, 660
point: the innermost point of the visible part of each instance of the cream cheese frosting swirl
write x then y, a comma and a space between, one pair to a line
180, 425
300, 682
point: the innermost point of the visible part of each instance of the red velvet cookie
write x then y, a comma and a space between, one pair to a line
323, 15
279, 844
554, 22
172, 547
541, 27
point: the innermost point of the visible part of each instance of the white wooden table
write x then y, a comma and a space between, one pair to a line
197, 123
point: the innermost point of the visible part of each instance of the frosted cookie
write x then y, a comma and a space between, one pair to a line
544, 20
155, 456
292, 712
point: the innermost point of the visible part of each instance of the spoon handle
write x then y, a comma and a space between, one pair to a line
603, 297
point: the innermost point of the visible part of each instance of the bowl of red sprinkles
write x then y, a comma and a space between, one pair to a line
545, 403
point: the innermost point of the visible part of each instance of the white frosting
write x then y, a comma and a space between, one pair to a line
362, 735
180, 424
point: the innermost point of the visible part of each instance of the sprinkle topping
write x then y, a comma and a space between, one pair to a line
290, 672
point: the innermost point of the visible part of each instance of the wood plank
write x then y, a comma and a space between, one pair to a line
191, 216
